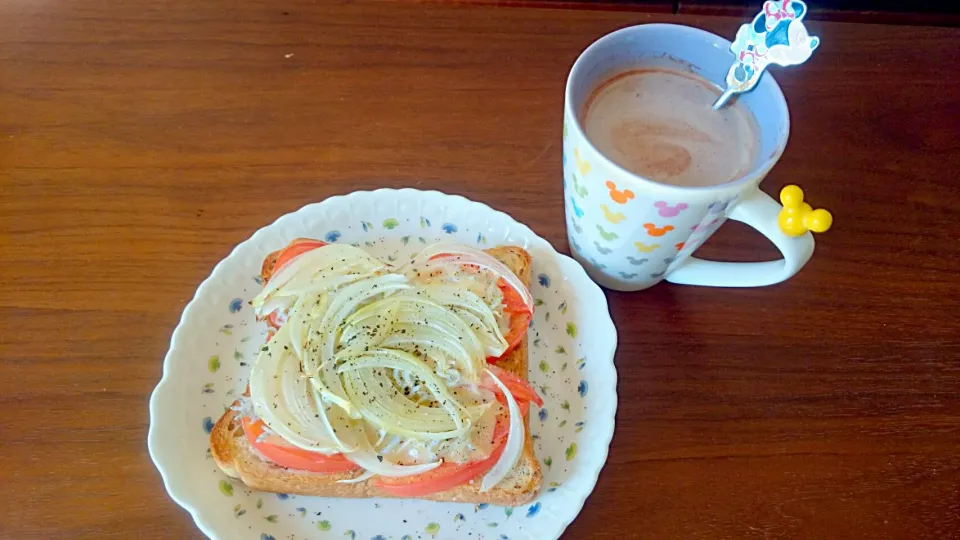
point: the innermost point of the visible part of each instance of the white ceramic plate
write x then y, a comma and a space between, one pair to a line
572, 342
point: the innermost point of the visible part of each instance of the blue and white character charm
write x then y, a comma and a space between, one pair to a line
776, 36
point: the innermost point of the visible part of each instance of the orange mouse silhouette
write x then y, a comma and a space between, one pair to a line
619, 197
653, 230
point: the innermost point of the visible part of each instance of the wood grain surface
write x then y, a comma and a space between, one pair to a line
140, 141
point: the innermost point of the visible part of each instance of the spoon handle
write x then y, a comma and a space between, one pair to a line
723, 98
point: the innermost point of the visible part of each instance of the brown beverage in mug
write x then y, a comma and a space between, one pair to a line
658, 123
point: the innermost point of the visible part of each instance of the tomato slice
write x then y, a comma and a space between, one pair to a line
519, 323
275, 260
274, 448
514, 307
512, 299
521, 390
295, 249
275, 320
444, 477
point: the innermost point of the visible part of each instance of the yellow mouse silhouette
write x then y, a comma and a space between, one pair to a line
582, 165
798, 217
612, 217
644, 248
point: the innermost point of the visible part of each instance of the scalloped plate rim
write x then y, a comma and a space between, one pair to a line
567, 262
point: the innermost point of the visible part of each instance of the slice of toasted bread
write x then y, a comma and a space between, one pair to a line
238, 459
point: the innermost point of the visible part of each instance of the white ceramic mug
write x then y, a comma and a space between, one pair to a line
631, 232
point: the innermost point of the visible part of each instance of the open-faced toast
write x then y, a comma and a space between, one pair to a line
238, 459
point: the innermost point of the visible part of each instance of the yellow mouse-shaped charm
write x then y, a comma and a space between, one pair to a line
797, 217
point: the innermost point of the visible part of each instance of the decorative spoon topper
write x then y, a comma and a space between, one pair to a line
776, 36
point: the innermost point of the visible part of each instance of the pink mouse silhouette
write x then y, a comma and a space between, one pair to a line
667, 211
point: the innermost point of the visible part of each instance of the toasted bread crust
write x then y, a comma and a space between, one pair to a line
238, 459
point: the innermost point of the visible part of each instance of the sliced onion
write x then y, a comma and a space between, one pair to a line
367, 327
373, 462
330, 260
383, 405
472, 309
295, 322
346, 300
276, 303
515, 440
282, 399
472, 256
325, 283
436, 344
424, 321
491, 337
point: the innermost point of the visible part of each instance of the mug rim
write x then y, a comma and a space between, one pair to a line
756, 172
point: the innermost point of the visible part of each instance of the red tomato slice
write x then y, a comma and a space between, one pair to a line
295, 249
512, 299
521, 390
444, 477
279, 258
519, 323
275, 320
524, 405
270, 262
274, 448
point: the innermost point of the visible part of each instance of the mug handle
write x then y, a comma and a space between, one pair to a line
759, 211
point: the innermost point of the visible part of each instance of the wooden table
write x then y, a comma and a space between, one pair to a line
140, 141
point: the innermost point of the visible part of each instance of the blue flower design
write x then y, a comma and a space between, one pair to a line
266, 536
258, 280
208, 424
544, 280
533, 510
332, 236
449, 228
582, 388
542, 414
379, 537
283, 496
482, 506
236, 304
